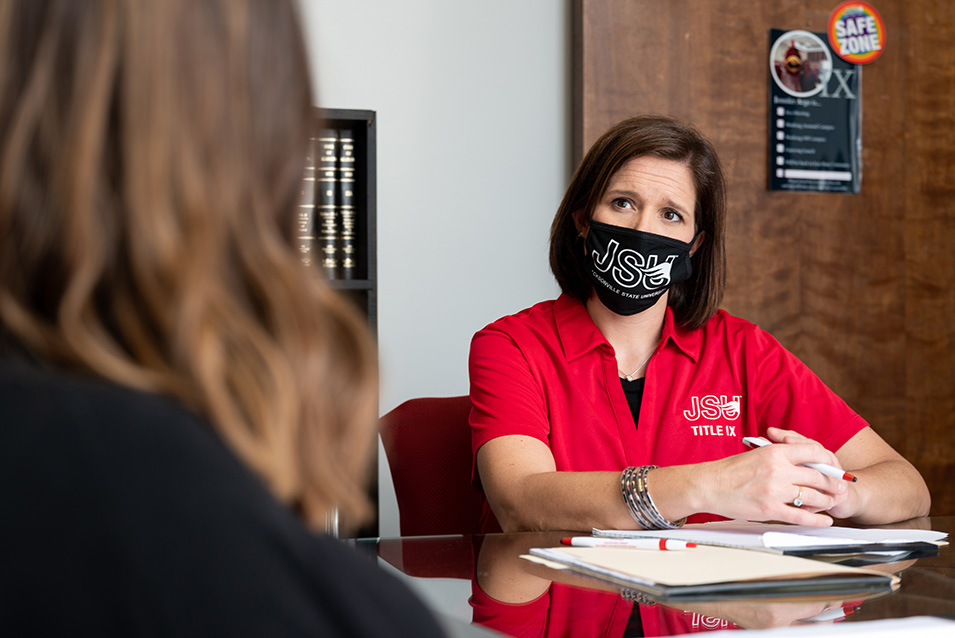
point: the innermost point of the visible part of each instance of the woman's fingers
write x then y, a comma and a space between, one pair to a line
804, 507
783, 508
820, 493
763, 485
798, 449
785, 462
778, 435
812, 500
816, 480
800, 516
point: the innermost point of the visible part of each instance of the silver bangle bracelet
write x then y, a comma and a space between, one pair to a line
637, 596
636, 496
629, 493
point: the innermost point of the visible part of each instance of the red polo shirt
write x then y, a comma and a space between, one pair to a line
549, 373
566, 610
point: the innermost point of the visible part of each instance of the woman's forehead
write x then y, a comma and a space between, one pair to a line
656, 178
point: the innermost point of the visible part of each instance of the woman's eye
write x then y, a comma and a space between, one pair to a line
621, 203
672, 216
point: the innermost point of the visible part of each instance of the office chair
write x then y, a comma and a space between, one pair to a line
428, 445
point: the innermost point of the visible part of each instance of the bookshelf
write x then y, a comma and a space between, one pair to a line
337, 231
355, 267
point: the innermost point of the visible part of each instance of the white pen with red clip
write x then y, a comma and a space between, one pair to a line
637, 543
828, 470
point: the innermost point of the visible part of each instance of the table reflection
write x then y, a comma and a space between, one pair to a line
520, 598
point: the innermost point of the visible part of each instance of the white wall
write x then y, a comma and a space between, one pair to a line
473, 114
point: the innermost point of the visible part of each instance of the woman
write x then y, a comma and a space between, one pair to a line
576, 401
175, 385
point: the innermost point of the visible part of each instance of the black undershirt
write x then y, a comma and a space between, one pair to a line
633, 390
634, 393
634, 628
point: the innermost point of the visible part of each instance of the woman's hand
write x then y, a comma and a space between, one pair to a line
845, 503
762, 484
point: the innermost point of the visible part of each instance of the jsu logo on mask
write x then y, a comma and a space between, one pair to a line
629, 267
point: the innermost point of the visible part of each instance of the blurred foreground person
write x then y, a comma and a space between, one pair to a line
178, 392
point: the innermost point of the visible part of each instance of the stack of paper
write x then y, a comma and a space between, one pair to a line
793, 539
921, 626
714, 572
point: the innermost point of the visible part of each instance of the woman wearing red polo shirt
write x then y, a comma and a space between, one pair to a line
623, 403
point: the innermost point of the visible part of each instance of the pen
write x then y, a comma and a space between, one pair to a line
828, 470
638, 543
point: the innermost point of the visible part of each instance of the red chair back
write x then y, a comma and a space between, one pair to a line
428, 444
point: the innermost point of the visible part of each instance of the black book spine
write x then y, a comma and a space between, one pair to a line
346, 202
328, 200
306, 207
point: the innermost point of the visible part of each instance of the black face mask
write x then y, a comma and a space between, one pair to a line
630, 269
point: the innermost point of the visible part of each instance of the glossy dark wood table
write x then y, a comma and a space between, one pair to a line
481, 581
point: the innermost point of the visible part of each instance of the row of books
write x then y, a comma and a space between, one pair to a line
327, 209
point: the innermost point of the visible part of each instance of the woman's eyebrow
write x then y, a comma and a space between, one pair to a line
623, 192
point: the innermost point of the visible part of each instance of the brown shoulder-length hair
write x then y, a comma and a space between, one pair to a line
151, 163
693, 301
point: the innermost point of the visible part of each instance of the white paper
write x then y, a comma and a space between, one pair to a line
921, 626
702, 565
752, 535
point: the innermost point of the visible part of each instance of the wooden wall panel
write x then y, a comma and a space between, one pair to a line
860, 287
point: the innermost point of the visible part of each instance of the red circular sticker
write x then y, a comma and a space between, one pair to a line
856, 32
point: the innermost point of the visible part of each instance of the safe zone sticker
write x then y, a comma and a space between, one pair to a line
856, 32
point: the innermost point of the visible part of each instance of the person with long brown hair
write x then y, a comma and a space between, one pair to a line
624, 403
181, 398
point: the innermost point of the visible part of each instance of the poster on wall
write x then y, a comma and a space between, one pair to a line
815, 115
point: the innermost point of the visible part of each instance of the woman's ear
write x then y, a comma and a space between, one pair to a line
581, 222
697, 242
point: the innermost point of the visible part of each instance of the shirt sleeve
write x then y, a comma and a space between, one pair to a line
520, 620
792, 397
506, 395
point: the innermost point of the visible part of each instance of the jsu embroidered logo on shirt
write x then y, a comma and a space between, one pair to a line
699, 621
711, 407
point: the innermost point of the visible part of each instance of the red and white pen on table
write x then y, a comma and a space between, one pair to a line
828, 470
637, 543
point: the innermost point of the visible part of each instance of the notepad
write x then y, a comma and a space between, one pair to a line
793, 539
711, 573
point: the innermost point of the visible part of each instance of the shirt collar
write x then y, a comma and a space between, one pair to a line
579, 334
687, 340
577, 331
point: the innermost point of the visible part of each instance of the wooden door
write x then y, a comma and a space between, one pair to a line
860, 287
